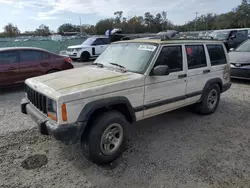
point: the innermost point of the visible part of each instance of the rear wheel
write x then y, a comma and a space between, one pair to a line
105, 139
85, 57
209, 101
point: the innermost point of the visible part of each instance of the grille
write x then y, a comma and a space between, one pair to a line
37, 99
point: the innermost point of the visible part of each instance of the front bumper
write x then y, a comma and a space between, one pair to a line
66, 133
73, 54
241, 73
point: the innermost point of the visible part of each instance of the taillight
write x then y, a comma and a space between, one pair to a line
227, 72
68, 60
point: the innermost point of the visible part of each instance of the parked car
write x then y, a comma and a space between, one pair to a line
130, 81
19, 63
231, 37
90, 48
240, 61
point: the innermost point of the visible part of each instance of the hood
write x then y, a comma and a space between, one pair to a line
239, 57
82, 79
79, 46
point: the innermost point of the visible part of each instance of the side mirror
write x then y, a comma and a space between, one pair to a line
233, 37
231, 49
160, 70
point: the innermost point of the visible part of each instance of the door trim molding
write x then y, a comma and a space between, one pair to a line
167, 101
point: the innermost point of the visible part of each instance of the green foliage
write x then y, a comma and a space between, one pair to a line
237, 18
11, 31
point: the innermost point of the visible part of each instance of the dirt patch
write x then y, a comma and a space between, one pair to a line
34, 161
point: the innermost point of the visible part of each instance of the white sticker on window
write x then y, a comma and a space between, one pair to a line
147, 47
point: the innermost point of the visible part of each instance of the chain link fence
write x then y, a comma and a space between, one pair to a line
50, 45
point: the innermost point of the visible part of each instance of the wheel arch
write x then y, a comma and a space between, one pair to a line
119, 103
210, 82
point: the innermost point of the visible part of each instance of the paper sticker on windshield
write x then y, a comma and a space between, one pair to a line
147, 47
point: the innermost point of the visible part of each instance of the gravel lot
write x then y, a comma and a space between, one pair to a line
177, 149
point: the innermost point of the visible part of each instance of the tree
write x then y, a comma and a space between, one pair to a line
68, 27
11, 31
103, 25
43, 30
118, 15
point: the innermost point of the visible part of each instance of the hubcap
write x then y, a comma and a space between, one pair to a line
111, 139
212, 99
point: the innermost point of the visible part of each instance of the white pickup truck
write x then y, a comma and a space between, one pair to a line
90, 48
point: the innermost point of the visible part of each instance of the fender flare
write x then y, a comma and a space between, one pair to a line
209, 83
91, 107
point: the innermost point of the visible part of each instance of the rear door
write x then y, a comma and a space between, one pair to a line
242, 35
199, 72
9, 68
31, 64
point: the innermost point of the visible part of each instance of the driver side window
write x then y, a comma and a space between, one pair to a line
172, 57
98, 41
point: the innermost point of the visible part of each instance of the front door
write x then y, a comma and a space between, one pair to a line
164, 93
9, 68
100, 45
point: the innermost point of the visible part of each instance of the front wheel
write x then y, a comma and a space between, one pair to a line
85, 57
105, 139
209, 101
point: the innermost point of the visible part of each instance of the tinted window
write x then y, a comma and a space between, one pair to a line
30, 55
8, 57
172, 57
105, 40
45, 56
216, 54
242, 33
98, 41
196, 56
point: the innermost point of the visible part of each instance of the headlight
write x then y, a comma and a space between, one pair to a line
52, 109
78, 49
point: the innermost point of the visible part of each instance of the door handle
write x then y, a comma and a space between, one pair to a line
12, 68
182, 76
206, 71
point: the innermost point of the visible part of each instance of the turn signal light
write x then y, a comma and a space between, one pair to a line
64, 112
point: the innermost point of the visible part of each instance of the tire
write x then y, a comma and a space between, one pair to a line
85, 57
74, 59
92, 142
52, 71
206, 106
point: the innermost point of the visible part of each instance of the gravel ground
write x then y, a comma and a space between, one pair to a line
177, 149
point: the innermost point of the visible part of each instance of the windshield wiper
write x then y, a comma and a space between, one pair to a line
115, 64
98, 64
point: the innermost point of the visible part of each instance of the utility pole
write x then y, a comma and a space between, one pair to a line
80, 25
196, 13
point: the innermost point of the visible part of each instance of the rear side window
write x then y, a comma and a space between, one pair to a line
216, 54
196, 56
8, 57
105, 40
30, 55
172, 57
45, 56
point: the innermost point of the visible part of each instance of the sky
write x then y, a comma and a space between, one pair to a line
29, 14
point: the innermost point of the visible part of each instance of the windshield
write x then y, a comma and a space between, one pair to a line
89, 41
220, 35
245, 47
133, 57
